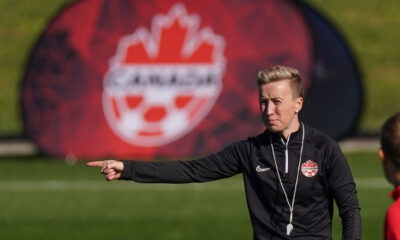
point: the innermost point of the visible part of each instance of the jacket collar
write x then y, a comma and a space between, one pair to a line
395, 194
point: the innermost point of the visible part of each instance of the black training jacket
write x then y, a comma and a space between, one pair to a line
324, 176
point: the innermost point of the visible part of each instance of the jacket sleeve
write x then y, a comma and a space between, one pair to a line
223, 164
344, 191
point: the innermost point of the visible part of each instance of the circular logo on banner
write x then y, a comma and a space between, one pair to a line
309, 168
163, 81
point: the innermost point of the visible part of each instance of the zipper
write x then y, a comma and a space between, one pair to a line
286, 153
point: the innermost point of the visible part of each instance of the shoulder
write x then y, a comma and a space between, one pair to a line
327, 147
393, 213
248, 145
319, 139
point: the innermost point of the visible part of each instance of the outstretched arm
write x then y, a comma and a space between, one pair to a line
223, 164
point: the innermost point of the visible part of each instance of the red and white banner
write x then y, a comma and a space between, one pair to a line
130, 79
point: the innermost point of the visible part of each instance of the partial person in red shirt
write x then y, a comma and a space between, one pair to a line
390, 155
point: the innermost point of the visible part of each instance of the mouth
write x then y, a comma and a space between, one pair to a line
271, 121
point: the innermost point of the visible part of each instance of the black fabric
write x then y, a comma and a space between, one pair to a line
269, 212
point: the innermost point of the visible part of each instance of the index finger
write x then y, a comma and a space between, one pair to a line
96, 164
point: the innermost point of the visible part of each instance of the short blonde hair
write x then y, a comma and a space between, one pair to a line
278, 73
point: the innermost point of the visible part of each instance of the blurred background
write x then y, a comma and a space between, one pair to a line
48, 197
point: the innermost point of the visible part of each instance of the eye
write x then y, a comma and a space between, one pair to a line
263, 105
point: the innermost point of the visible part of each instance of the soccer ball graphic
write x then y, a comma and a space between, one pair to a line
160, 85
155, 115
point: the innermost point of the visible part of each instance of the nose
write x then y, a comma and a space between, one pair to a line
270, 108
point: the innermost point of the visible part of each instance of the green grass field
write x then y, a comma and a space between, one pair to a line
43, 198
49, 199
369, 26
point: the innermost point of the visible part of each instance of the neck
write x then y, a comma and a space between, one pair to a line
293, 126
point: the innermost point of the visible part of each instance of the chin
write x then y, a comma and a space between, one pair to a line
274, 129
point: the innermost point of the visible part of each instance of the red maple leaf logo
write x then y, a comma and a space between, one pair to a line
174, 39
162, 83
310, 164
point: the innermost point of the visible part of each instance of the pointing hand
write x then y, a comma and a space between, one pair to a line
111, 169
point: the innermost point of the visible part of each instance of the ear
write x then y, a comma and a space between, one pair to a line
398, 176
382, 155
299, 104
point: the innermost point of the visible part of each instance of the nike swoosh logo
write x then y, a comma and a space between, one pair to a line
260, 169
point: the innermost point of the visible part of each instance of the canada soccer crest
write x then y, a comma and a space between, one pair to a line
162, 83
309, 168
